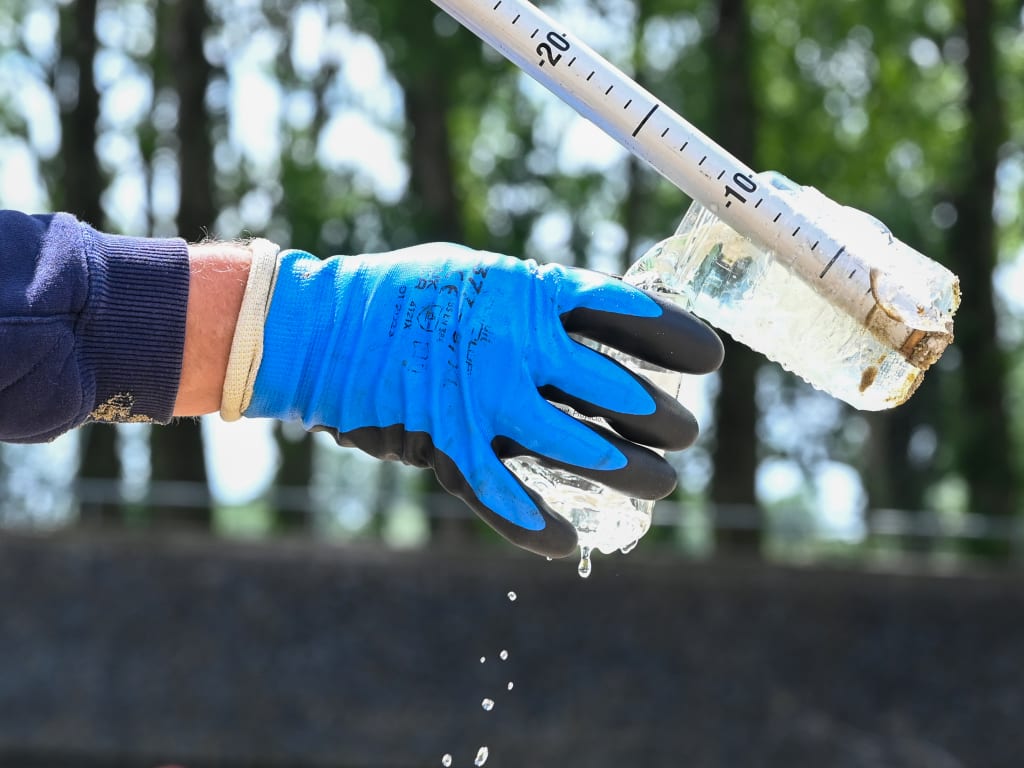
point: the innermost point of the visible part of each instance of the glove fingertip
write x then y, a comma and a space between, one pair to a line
671, 337
703, 351
556, 539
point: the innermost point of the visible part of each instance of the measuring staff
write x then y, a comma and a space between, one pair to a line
835, 265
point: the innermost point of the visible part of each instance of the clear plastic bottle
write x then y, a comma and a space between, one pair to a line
606, 520
872, 358
869, 348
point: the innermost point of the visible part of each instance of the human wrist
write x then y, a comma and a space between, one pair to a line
246, 349
219, 272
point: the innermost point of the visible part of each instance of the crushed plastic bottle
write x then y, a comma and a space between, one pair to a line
866, 334
866, 338
605, 519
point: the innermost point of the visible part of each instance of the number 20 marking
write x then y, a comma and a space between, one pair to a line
547, 50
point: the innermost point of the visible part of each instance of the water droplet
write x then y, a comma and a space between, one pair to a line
487, 704
483, 659
504, 655
549, 559
512, 596
511, 685
481, 757
629, 547
446, 761
585, 567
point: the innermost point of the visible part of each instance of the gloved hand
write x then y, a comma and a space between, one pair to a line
445, 357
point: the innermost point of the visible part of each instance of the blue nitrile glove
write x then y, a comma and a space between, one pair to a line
445, 357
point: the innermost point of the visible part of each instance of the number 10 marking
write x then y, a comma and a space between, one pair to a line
745, 183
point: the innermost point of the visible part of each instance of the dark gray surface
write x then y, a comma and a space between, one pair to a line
137, 652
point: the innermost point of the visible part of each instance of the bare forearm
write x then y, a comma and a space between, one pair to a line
218, 276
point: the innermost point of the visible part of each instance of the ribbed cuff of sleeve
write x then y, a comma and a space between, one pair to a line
133, 327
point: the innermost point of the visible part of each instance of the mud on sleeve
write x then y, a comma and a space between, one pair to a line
92, 326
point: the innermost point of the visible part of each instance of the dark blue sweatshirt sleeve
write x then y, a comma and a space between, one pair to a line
92, 326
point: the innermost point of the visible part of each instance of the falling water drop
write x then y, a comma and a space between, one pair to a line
446, 761
512, 596
511, 685
481, 757
487, 704
629, 547
504, 655
483, 659
585, 567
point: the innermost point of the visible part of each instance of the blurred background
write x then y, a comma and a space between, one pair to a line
352, 126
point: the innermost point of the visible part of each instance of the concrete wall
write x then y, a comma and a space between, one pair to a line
144, 652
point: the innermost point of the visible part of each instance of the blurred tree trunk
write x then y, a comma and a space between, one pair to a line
290, 494
433, 194
306, 209
192, 74
632, 209
985, 455
177, 449
639, 213
79, 192
638, 193
735, 449
82, 179
432, 175
894, 478
435, 72
432, 182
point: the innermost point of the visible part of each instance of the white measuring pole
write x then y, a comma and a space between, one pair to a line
597, 90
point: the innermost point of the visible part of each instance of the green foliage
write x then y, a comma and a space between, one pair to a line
864, 101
